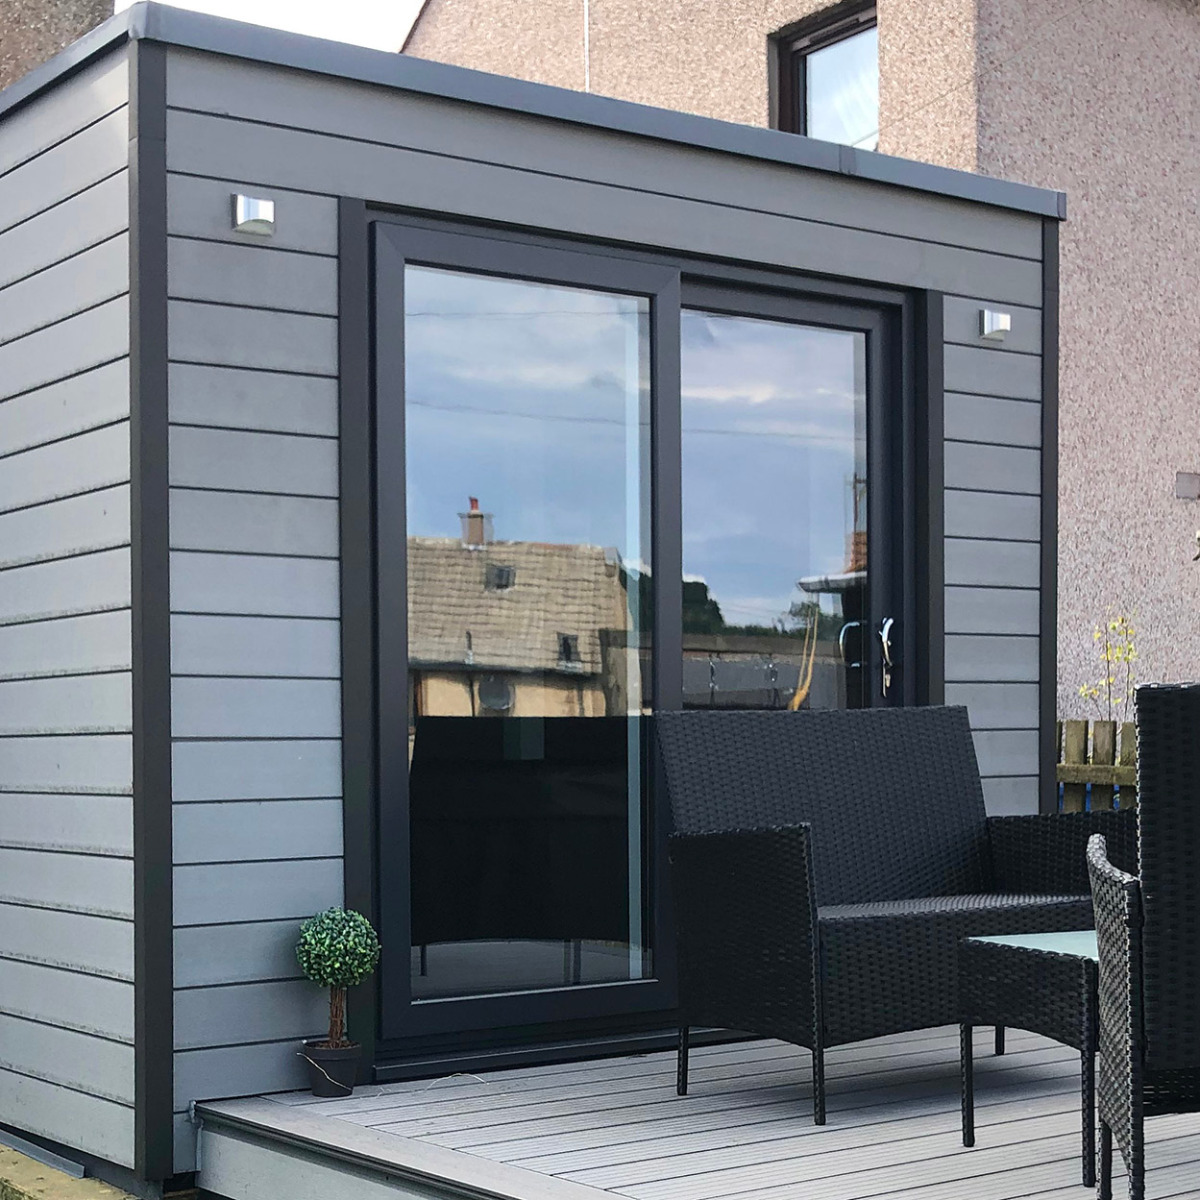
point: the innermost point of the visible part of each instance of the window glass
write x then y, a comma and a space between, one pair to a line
527, 430
842, 91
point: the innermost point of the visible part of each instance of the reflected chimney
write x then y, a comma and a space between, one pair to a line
476, 525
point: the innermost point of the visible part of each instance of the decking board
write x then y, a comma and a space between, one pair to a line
615, 1126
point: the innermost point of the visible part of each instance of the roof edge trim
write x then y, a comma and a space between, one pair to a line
217, 35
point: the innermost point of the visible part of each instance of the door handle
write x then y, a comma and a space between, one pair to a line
842, 642
886, 626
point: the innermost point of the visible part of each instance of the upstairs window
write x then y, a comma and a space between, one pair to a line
826, 77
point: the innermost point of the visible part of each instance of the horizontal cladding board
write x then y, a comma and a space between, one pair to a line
62, 528
94, 215
208, 145
992, 610
101, 763
268, 646
1011, 797
1007, 752
262, 400
99, 642
80, 282
981, 563
255, 770
253, 1012
70, 406
91, 583
220, 954
997, 705
987, 419
252, 708
97, 459
992, 515
237, 1071
246, 523
86, 1003
79, 883
83, 159
252, 275
77, 941
55, 115
72, 1118
67, 704
972, 659
960, 323
83, 824
100, 335
993, 468
202, 208
252, 337
76, 1060
244, 585
347, 109
987, 372
255, 891
255, 830
247, 461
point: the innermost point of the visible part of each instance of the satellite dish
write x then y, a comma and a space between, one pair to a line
496, 693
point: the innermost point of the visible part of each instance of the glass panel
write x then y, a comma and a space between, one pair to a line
842, 91
527, 446
774, 514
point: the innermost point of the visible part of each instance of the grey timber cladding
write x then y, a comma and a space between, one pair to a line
66, 826
253, 394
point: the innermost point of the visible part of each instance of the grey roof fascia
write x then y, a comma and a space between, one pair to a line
218, 35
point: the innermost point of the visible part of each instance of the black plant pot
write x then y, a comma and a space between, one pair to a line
331, 1072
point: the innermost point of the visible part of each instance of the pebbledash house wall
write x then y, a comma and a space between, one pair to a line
1100, 105
237, 810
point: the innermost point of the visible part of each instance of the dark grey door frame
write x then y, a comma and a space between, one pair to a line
908, 333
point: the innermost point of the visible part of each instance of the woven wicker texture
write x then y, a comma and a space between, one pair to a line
893, 795
856, 810
1168, 724
1118, 1077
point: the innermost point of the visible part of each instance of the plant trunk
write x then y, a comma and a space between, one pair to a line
337, 1017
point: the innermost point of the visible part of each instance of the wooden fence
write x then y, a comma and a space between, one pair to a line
1090, 755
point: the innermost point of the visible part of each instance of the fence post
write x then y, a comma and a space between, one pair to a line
1104, 754
1075, 751
1128, 792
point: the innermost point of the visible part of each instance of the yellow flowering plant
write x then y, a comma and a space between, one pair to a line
1112, 694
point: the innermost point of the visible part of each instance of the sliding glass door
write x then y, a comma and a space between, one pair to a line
601, 490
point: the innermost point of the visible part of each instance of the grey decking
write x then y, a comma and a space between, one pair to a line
569, 1131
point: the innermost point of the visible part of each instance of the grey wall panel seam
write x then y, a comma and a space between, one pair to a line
78, 1088
70, 556
547, 173
325, 437
962, 441
175, 360
57, 262
108, 362
266, 246
151, 632
64, 139
59, 441
290, 310
66, 615
79, 312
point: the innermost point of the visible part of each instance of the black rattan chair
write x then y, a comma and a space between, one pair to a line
826, 864
1148, 933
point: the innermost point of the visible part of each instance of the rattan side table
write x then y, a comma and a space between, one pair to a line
1042, 982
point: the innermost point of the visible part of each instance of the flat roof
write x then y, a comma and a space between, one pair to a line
216, 35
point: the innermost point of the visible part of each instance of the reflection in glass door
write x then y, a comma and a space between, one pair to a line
527, 430
775, 535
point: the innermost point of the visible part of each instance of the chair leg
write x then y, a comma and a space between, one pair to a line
1137, 1171
999, 1039
818, 1074
1087, 1077
681, 1063
1105, 1190
967, 1076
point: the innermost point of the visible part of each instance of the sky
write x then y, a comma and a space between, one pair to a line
380, 24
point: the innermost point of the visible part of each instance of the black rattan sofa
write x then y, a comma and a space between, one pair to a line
826, 864
1148, 933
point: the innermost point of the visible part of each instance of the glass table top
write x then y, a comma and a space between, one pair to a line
1081, 943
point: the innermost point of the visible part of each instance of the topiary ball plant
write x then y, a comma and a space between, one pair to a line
337, 949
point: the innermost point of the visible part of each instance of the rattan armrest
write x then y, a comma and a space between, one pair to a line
1047, 854
747, 925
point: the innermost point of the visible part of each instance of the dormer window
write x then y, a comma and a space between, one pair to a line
568, 649
499, 578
